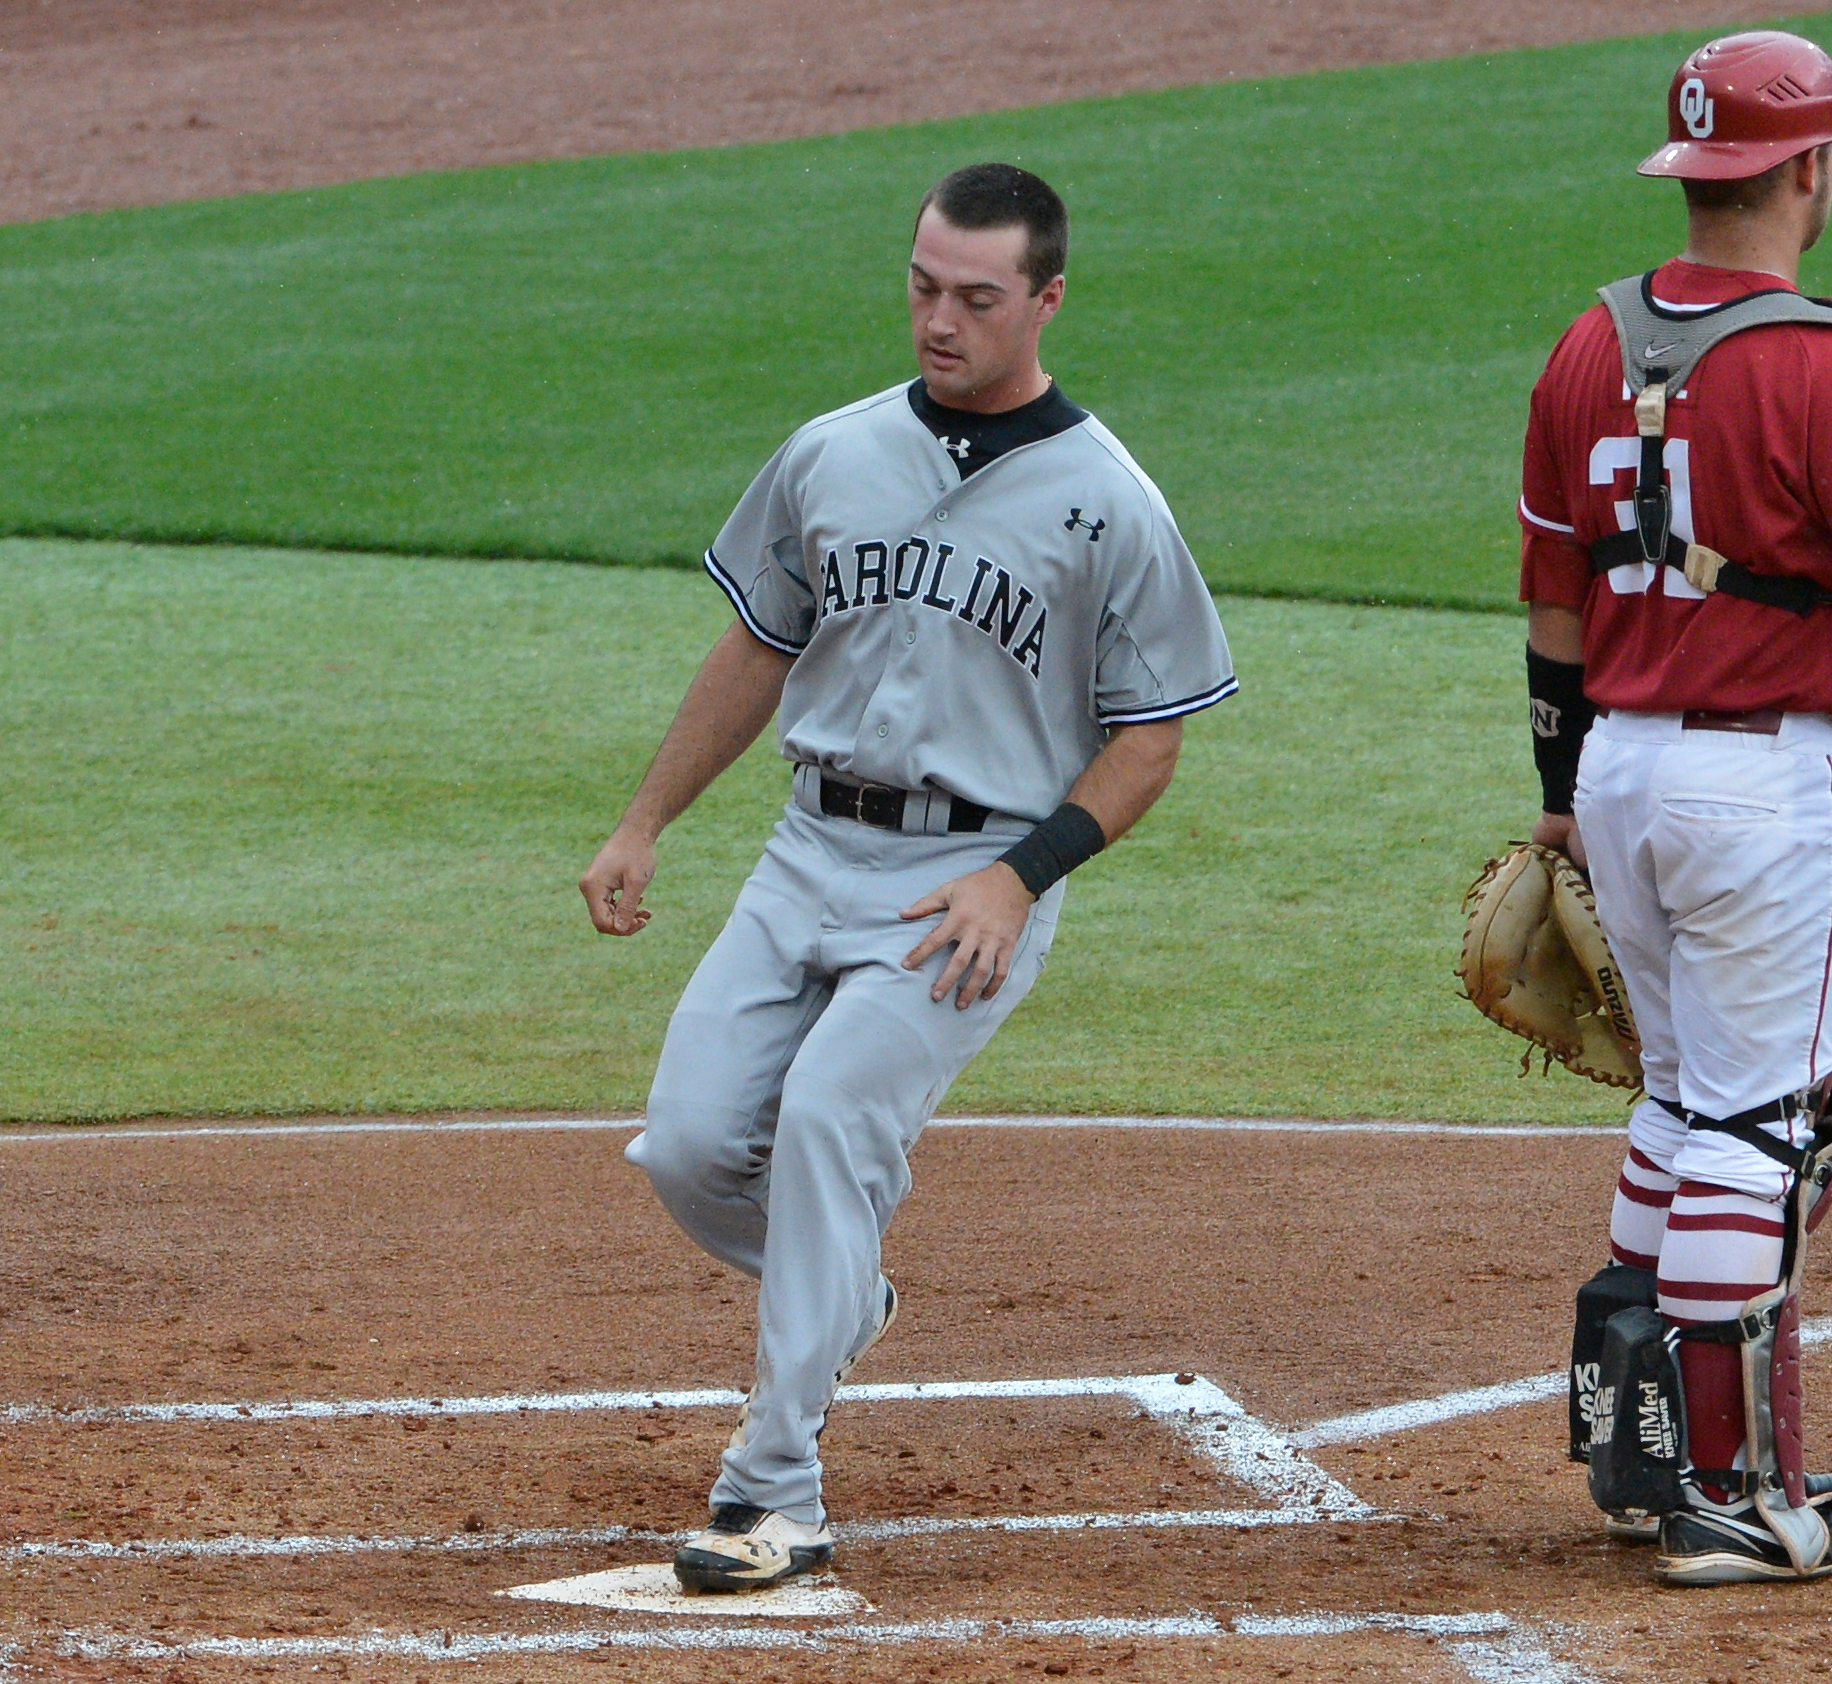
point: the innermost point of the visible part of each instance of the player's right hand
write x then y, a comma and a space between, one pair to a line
1560, 831
615, 883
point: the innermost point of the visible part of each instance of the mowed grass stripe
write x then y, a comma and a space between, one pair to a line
1313, 306
298, 833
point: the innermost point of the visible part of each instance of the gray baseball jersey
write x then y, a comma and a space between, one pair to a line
978, 633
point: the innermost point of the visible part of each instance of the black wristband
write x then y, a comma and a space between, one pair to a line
1562, 714
1069, 837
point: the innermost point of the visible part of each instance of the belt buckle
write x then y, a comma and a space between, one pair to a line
881, 806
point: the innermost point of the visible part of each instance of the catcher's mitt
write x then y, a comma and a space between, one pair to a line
1536, 961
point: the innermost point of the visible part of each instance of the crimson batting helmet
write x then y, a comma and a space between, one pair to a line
1743, 104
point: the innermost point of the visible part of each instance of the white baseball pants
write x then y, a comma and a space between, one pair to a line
800, 1067
1711, 857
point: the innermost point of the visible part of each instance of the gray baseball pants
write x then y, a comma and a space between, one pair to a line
799, 1069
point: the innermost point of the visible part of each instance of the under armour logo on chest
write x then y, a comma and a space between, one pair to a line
959, 449
1095, 527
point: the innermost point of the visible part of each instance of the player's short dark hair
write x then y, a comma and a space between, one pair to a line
1004, 196
1751, 193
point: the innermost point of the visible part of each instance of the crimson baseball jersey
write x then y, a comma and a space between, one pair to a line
1749, 461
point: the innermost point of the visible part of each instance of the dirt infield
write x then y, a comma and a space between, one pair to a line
126, 102
180, 1500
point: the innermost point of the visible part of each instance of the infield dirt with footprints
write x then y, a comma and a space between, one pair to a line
1310, 1275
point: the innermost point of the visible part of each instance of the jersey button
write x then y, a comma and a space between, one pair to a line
884, 730
909, 637
941, 514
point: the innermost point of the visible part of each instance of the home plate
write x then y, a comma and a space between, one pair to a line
653, 1589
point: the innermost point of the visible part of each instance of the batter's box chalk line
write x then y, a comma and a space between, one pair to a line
1292, 1489
1408, 1417
1199, 1408
1491, 1648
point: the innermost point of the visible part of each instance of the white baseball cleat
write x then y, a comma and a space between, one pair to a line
747, 1549
887, 1315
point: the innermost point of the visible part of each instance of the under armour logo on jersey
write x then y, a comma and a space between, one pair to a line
1698, 111
959, 449
1095, 527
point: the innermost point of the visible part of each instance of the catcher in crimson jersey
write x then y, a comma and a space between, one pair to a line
1677, 557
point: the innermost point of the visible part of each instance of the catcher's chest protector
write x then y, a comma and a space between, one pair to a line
1663, 346
1660, 349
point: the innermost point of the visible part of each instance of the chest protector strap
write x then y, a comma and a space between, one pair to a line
1660, 349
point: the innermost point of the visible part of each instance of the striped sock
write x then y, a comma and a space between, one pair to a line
1721, 1250
1638, 1221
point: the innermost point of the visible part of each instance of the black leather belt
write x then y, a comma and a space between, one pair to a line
1760, 722
882, 807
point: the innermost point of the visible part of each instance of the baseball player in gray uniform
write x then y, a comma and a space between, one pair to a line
979, 629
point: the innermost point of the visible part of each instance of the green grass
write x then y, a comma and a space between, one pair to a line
1313, 306
288, 833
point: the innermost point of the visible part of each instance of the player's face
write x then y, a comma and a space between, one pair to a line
973, 316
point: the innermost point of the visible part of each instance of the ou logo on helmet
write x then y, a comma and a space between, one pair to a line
1698, 112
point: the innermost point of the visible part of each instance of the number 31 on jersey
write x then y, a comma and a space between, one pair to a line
1613, 457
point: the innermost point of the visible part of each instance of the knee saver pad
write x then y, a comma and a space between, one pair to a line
1638, 1431
1613, 1287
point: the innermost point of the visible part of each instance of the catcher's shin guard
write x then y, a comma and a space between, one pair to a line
1771, 1526
1640, 1460
1612, 1288
1776, 1446
1726, 1544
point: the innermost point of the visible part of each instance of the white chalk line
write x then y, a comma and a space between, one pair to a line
243, 1546
1292, 1489
1218, 1428
1365, 1424
1493, 1648
1196, 1405
524, 1403
1392, 1418
1166, 1397
1283, 1125
1162, 1395
102, 1645
565, 1125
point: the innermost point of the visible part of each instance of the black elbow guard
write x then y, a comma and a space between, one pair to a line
1562, 714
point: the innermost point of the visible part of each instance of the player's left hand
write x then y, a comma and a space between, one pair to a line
1560, 831
986, 913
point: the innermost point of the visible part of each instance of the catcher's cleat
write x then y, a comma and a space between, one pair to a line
747, 1549
1633, 1528
1722, 1549
1645, 1528
887, 1315
1628, 1528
